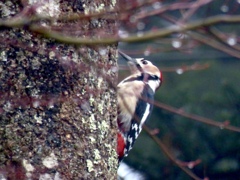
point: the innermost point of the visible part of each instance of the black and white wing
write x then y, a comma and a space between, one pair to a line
143, 110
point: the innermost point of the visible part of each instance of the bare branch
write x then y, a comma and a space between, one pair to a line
183, 68
203, 38
221, 125
168, 154
172, 7
133, 38
229, 40
186, 68
214, 43
196, 5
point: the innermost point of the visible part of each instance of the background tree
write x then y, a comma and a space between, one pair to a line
58, 101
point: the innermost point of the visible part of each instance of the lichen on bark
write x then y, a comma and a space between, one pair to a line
58, 102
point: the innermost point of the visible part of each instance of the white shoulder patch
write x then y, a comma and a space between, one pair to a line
145, 115
153, 84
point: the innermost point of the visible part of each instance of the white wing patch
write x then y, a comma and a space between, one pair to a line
135, 126
137, 130
130, 140
145, 115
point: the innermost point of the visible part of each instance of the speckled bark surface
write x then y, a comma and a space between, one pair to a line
57, 102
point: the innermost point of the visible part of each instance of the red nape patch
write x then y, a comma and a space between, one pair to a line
120, 146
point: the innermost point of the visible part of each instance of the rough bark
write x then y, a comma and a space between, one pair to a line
57, 101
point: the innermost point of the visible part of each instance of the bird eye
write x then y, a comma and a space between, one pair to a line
144, 62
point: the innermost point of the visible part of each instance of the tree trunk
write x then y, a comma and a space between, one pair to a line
57, 101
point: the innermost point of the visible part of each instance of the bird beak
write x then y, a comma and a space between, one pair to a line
126, 57
131, 62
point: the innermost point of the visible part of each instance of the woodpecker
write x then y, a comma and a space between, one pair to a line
135, 97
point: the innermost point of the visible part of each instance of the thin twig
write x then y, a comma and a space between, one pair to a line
169, 155
183, 68
214, 43
135, 38
223, 37
205, 39
221, 125
196, 5
168, 7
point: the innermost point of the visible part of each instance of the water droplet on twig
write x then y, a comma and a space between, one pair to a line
123, 34
232, 40
140, 34
176, 43
147, 52
224, 8
140, 25
179, 71
157, 5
